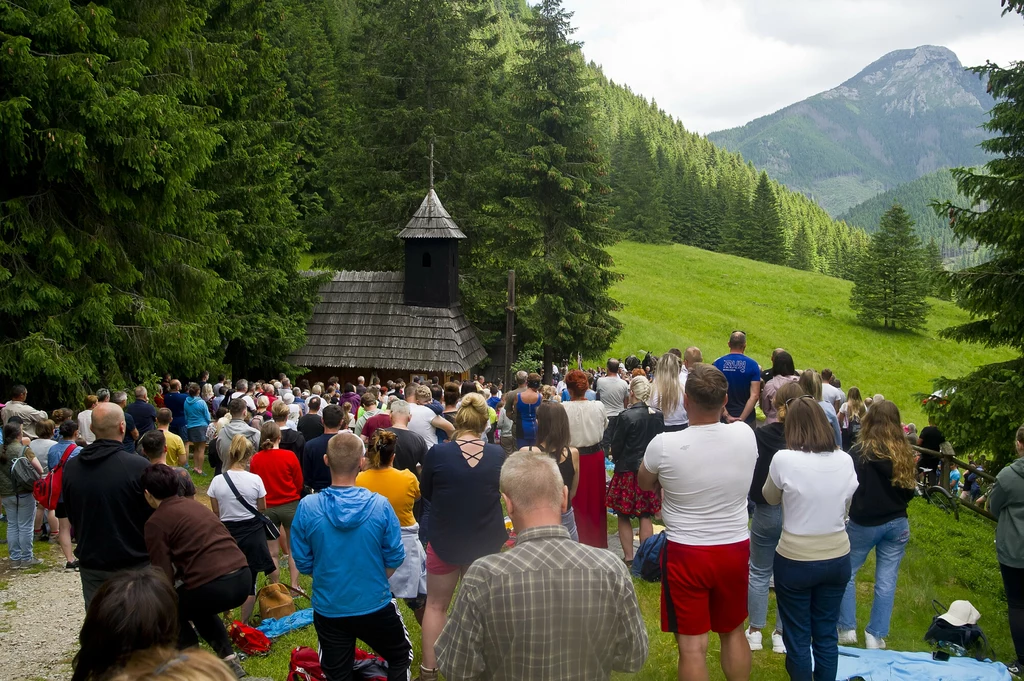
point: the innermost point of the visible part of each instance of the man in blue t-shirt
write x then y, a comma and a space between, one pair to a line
744, 377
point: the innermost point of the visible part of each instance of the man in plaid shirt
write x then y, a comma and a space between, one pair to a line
569, 608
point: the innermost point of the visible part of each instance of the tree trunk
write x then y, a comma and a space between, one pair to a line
549, 359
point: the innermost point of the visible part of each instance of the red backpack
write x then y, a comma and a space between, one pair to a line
305, 665
249, 640
47, 489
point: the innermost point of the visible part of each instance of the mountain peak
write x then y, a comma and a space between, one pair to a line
914, 81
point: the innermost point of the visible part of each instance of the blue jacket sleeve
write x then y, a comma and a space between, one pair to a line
302, 551
391, 546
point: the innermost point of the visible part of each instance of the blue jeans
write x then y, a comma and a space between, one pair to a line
21, 515
809, 594
765, 530
569, 523
889, 542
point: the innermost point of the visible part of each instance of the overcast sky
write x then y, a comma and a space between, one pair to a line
716, 64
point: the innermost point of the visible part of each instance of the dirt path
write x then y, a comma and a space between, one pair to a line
41, 612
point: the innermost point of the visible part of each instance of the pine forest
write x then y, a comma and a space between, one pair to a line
168, 169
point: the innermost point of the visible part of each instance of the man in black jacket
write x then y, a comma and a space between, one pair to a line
105, 503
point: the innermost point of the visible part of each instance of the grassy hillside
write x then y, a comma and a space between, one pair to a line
675, 296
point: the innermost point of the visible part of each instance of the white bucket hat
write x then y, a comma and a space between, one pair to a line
961, 613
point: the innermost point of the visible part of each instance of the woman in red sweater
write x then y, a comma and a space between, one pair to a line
282, 476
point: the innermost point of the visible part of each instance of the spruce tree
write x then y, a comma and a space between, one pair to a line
768, 232
981, 411
106, 241
554, 180
804, 250
935, 269
890, 283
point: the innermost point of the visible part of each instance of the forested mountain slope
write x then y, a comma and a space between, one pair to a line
916, 197
908, 114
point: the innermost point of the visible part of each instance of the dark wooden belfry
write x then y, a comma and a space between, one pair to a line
431, 254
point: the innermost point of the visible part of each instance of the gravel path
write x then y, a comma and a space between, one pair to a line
42, 611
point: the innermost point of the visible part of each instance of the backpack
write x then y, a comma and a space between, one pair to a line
23, 475
305, 665
966, 640
369, 667
48, 488
647, 562
249, 640
227, 399
275, 601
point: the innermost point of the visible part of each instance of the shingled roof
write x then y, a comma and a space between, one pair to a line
362, 322
431, 221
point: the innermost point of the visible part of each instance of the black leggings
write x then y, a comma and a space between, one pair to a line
1013, 583
201, 608
383, 631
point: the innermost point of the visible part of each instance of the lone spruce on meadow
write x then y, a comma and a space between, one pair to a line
890, 281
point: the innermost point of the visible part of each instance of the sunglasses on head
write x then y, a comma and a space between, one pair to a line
801, 397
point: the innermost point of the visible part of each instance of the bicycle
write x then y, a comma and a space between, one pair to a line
938, 496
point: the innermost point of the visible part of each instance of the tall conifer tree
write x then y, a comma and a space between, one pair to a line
106, 243
555, 177
982, 410
890, 283
768, 233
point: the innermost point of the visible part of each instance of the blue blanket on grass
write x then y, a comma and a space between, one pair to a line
279, 627
891, 665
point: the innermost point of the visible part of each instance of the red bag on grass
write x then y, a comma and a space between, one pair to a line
369, 667
305, 665
249, 640
47, 489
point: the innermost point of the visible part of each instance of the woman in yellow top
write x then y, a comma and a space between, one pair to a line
402, 490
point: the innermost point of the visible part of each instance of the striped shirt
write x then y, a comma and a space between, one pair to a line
550, 608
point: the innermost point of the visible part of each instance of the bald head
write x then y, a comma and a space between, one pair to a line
108, 421
344, 453
693, 356
737, 341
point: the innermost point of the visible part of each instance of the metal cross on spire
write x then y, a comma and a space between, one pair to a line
431, 165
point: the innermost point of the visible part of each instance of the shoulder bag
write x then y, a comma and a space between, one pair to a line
272, 530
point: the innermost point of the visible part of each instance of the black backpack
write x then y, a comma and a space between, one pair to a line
966, 640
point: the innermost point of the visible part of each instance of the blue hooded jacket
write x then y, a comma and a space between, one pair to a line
346, 537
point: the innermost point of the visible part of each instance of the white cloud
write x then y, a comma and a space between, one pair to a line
720, 63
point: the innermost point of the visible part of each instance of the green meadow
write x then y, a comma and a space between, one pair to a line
676, 296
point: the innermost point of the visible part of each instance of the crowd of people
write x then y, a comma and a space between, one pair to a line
394, 490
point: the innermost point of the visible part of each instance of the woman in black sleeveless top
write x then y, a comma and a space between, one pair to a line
553, 439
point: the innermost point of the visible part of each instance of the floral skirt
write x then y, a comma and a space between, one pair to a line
626, 498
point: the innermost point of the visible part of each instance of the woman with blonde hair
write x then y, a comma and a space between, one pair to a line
851, 413
460, 479
886, 472
667, 392
281, 473
167, 664
814, 481
636, 427
237, 496
402, 490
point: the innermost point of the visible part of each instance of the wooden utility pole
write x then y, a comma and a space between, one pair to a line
510, 330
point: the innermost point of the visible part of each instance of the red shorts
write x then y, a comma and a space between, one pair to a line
436, 566
704, 588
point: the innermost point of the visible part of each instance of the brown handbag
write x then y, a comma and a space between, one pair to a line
275, 601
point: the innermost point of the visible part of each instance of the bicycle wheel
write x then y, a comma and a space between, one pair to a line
942, 498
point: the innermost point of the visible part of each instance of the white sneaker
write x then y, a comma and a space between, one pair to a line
754, 639
777, 645
872, 643
848, 637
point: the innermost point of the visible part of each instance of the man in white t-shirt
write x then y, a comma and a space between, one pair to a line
423, 420
830, 393
705, 473
241, 392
